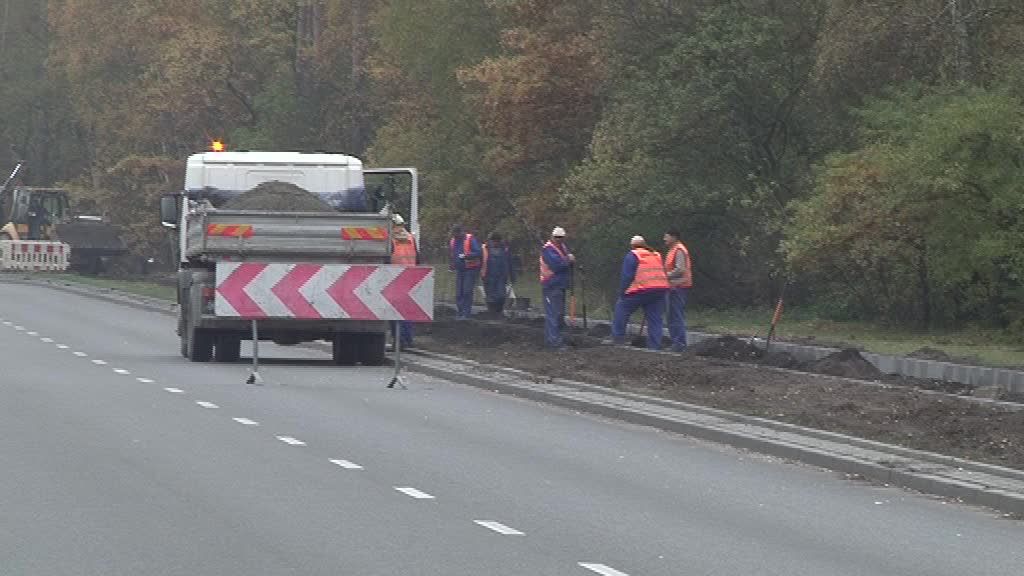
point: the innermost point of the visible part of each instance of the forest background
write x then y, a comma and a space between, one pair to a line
868, 154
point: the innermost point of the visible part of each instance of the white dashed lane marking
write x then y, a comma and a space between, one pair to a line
347, 465
145, 380
32, 333
47, 340
121, 371
498, 527
81, 354
8, 323
209, 405
174, 390
99, 362
19, 328
246, 421
61, 347
291, 441
414, 493
602, 569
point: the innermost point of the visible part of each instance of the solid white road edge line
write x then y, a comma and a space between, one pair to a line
414, 493
498, 527
209, 405
347, 465
246, 421
602, 569
291, 441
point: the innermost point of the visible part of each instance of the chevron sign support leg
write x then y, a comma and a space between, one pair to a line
397, 378
254, 376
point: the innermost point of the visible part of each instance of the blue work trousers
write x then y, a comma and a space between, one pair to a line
404, 332
465, 283
554, 309
653, 303
677, 317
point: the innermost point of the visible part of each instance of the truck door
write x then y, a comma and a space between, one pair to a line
396, 190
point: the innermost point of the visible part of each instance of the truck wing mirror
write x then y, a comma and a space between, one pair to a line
170, 210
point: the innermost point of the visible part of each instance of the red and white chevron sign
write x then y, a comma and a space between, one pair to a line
255, 290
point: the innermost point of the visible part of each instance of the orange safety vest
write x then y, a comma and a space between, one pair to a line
467, 247
545, 271
404, 250
650, 272
670, 264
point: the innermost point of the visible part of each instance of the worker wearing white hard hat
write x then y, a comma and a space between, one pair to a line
404, 253
643, 285
555, 267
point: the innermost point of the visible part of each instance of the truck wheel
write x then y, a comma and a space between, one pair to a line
227, 349
200, 345
344, 349
372, 349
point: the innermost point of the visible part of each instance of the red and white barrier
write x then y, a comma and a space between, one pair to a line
34, 255
255, 290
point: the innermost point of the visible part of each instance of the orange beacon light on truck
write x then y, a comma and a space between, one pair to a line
217, 146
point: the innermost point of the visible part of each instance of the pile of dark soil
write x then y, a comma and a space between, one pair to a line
897, 414
280, 196
847, 363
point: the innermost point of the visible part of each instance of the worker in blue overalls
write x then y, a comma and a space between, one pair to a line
555, 267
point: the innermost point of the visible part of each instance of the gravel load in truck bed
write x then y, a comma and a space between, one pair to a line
278, 196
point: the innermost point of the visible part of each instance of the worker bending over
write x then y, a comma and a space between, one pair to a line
643, 284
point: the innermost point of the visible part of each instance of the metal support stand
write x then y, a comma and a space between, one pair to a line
254, 376
397, 378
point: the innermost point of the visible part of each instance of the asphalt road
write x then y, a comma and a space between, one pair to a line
120, 457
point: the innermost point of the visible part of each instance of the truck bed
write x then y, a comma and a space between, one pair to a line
229, 234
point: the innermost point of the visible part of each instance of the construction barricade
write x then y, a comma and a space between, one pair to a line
34, 255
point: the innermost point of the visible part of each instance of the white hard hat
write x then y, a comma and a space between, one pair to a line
637, 241
398, 220
558, 232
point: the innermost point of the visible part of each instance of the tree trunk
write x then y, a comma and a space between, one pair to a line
924, 286
961, 55
358, 113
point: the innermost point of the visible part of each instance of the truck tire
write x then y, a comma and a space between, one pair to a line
200, 344
227, 349
372, 349
344, 350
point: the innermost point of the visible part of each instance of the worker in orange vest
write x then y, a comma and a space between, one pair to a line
643, 285
465, 261
679, 270
556, 262
405, 253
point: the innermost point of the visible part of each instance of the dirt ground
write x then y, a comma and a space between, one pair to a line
900, 414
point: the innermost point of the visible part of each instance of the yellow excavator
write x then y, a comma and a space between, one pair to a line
28, 213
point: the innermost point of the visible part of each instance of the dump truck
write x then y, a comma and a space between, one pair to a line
215, 238
44, 217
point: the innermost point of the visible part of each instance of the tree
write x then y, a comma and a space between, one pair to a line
923, 222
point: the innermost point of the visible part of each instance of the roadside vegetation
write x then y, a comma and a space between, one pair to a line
864, 155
